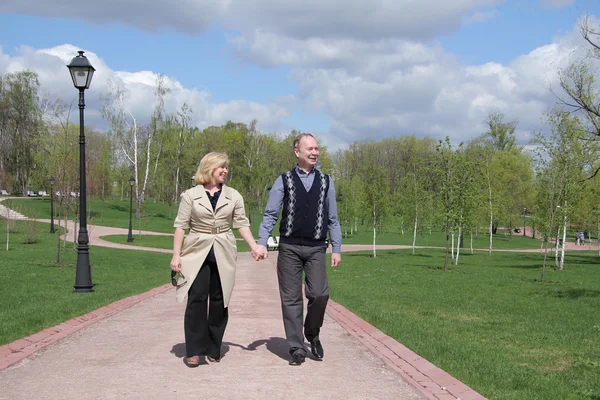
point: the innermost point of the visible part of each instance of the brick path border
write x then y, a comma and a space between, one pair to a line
22, 348
432, 382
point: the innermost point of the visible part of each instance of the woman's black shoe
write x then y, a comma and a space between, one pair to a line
316, 348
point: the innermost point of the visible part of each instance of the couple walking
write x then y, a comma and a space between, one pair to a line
204, 260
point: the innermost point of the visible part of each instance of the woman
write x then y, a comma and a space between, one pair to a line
205, 260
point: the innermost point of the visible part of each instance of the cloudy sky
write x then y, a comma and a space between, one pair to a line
344, 70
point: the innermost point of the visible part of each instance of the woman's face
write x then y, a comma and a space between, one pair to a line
219, 174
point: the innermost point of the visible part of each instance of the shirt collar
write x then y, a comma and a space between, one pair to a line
299, 171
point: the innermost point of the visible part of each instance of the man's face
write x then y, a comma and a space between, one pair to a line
307, 152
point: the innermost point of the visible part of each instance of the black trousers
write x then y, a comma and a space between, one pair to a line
205, 315
292, 262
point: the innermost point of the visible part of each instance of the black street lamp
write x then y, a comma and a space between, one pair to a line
81, 72
194, 183
51, 180
524, 225
130, 234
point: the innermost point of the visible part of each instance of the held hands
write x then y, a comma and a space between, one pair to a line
259, 252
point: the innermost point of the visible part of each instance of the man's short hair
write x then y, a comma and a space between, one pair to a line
299, 137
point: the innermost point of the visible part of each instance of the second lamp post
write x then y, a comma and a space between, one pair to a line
130, 234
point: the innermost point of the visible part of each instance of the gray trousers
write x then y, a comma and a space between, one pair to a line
292, 261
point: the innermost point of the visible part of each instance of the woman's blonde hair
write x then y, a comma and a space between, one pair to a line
208, 164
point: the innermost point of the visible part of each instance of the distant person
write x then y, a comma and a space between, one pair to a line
205, 260
580, 236
309, 213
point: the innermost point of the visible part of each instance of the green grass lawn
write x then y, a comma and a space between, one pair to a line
37, 293
160, 242
156, 217
489, 322
438, 239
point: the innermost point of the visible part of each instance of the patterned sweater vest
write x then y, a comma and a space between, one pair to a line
305, 214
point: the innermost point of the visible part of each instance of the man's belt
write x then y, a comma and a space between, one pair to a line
214, 230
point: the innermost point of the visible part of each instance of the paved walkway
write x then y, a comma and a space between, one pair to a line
134, 348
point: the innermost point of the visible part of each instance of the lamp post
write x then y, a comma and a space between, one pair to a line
51, 180
194, 183
130, 234
524, 225
81, 73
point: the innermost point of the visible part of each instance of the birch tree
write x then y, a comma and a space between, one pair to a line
561, 160
447, 171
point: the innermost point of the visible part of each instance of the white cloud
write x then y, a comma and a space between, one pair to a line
50, 65
423, 90
556, 3
408, 19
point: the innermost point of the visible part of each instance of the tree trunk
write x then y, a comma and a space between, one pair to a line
374, 233
447, 244
471, 242
176, 185
564, 242
544, 263
58, 241
75, 231
415, 232
102, 207
459, 243
557, 247
491, 215
7, 230
66, 225
546, 240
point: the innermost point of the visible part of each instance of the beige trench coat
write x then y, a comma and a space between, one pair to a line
196, 214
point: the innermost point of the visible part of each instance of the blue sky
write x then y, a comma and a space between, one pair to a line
346, 73
517, 28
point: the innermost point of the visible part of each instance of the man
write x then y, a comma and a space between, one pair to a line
309, 213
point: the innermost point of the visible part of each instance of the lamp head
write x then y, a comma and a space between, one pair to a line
81, 71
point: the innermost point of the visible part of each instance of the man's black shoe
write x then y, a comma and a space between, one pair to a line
297, 359
316, 348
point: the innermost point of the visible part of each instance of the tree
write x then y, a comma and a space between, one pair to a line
561, 159
448, 169
376, 199
580, 92
20, 124
500, 134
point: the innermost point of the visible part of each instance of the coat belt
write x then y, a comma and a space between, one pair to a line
214, 230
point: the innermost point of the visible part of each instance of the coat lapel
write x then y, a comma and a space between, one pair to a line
201, 198
224, 198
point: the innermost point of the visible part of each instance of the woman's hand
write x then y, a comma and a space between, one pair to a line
176, 264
